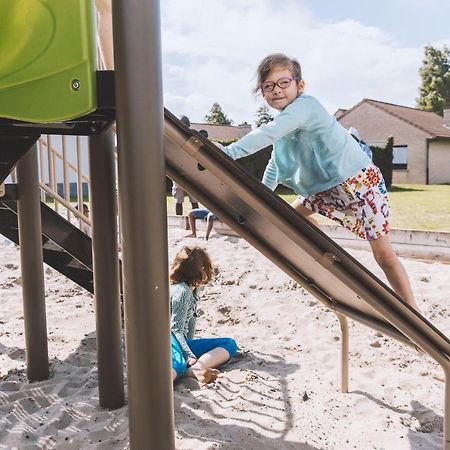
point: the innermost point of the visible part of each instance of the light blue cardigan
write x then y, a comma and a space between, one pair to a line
312, 152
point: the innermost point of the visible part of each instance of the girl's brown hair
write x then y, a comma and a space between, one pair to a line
276, 60
193, 266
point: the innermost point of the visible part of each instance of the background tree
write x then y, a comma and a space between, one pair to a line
435, 75
216, 116
263, 115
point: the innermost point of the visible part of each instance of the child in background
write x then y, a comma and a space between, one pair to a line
202, 214
83, 226
364, 147
197, 358
317, 158
179, 193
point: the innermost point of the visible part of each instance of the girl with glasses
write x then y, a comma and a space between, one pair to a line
319, 160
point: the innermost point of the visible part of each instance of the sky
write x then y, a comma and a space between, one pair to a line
348, 49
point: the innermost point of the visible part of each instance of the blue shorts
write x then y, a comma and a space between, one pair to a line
202, 213
199, 347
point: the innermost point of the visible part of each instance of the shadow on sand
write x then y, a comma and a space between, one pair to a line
70, 399
265, 413
427, 434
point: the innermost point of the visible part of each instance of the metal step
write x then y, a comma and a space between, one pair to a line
65, 248
12, 148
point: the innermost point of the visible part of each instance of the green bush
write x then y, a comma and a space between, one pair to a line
253, 164
383, 157
256, 163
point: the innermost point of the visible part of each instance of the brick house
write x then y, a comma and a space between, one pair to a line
223, 132
421, 138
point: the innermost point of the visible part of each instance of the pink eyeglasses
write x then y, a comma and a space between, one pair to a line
283, 83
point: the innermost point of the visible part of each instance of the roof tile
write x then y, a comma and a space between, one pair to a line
427, 121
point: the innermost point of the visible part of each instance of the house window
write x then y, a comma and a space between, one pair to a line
400, 160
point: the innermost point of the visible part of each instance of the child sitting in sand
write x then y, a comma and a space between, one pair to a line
317, 158
193, 357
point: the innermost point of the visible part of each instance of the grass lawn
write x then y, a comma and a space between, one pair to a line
413, 207
420, 207
416, 207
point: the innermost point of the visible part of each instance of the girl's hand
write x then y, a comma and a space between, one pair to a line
191, 361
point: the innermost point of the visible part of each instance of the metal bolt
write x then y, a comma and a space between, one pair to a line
76, 85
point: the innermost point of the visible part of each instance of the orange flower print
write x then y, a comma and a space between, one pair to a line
372, 176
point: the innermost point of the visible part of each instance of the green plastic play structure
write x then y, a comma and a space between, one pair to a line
47, 66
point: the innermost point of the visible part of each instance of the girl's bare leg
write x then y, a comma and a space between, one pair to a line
105, 32
202, 375
192, 226
392, 267
205, 367
214, 358
209, 226
305, 212
385, 257
206, 375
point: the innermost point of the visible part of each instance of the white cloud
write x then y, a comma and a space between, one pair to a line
211, 50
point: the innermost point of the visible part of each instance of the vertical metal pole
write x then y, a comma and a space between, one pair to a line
49, 162
41, 167
106, 270
446, 444
32, 266
80, 198
344, 352
66, 182
143, 212
52, 169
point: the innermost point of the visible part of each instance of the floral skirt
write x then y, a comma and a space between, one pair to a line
359, 203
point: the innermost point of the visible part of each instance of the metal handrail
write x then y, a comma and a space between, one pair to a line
70, 165
77, 213
50, 189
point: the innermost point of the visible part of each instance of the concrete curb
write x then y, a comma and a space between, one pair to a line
428, 245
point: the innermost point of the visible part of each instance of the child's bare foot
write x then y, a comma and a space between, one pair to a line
192, 235
203, 375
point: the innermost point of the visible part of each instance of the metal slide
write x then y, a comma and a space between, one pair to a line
296, 246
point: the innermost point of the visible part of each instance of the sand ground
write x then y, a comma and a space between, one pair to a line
281, 392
